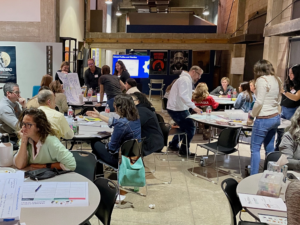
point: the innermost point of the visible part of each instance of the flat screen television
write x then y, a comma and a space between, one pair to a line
136, 65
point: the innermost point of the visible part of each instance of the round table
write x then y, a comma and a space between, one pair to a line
63, 215
249, 185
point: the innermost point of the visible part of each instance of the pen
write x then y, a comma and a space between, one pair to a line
38, 188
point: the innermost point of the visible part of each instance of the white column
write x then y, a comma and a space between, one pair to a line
108, 30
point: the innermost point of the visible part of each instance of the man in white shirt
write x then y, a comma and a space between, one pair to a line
58, 122
179, 103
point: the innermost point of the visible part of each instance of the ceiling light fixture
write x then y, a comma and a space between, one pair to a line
109, 2
205, 11
118, 13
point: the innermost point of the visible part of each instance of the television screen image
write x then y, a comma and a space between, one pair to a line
136, 65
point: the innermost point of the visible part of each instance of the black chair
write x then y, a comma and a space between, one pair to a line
109, 192
272, 156
56, 108
86, 163
227, 141
172, 132
229, 187
130, 148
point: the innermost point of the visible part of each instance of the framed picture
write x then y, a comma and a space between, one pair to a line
158, 62
8, 71
179, 60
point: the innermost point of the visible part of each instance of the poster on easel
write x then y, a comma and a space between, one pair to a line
71, 86
158, 62
8, 65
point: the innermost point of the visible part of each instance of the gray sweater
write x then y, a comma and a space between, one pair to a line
292, 150
9, 115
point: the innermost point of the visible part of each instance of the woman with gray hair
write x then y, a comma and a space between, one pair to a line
290, 143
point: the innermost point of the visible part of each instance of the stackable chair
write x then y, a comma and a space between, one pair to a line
156, 82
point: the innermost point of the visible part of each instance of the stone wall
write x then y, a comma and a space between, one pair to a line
44, 31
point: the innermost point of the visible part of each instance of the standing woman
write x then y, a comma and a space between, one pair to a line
265, 109
121, 72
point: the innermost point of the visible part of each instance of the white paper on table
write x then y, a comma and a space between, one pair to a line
55, 194
86, 123
262, 202
272, 219
11, 187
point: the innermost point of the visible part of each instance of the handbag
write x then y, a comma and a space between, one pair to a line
45, 173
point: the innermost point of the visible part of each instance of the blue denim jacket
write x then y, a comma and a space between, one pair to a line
243, 102
124, 130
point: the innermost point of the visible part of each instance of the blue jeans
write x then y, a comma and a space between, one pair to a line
286, 113
186, 125
263, 132
110, 102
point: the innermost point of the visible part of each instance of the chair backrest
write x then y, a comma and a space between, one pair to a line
272, 156
132, 147
35, 90
164, 103
229, 187
56, 108
165, 129
86, 163
229, 137
109, 192
160, 118
292, 198
156, 81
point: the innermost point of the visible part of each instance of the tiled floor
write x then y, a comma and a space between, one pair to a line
188, 200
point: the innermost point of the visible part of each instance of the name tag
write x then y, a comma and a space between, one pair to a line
293, 91
96, 75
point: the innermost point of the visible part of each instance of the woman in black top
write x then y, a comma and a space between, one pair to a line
154, 141
120, 71
290, 98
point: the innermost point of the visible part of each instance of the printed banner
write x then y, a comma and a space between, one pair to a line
179, 60
158, 63
8, 68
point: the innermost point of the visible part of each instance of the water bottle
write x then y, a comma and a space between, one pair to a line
75, 127
234, 93
70, 112
6, 151
98, 97
84, 87
107, 109
90, 92
229, 94
70, 122
208, 112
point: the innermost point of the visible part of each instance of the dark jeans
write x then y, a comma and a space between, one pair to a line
101, 153
110, 102
186, 125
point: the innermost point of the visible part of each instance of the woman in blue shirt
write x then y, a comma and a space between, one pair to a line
245, 97
127, 127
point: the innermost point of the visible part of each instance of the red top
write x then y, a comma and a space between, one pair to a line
206, 102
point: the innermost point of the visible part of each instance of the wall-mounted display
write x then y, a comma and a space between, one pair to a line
158, 62
8, 71
179, 60
202, 59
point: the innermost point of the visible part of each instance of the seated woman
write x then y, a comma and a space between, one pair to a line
38, 145
154, 139
202, 100
33, 103
223, 89
126, 128
290, 143
60, 97
252, 88
245, 97
131, 86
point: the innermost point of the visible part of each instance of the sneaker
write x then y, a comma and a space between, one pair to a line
172, 148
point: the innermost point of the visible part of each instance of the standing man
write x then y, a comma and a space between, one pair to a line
11, 106
91, 75
179, 102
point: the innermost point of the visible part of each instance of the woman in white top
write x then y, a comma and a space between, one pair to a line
131, 86
265, 110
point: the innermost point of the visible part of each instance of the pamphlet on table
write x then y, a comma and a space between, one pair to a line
262, 202
55, 194
276, 220
11, 185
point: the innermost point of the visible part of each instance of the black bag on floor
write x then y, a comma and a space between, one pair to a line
45, 173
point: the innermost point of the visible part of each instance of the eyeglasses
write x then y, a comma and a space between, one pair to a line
90, 64
16, 92
198, 73
27, 125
